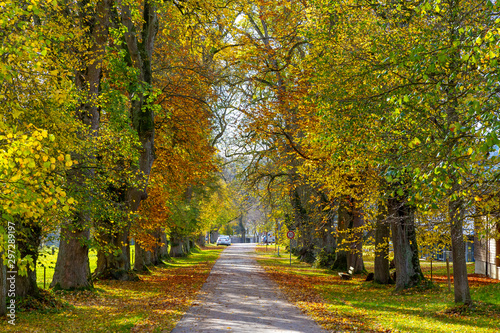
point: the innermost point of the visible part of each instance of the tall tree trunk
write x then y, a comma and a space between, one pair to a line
163, 251
140, 259
112, 258
156, 253
187, 244
406, 259
148, 258
200, 240
72, 269
455, 206
141, 111
142, 120
328, 240
355, 255
345, 219
177, 247
460, 282
29, 236
382, 235
72, 266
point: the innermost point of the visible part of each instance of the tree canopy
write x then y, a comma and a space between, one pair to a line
353, 122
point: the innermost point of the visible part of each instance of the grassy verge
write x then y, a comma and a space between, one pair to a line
154, 304
359, 306
47, 262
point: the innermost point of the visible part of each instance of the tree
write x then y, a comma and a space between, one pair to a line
138, 45
72, 268
38, 125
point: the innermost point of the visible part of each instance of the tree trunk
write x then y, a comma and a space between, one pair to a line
200, 240
29, 235
148, 258
460, 282
355, 255
141, 109
139, 260
455, 206
187, 245
112, 260
382, 235
345, 219
72, 269
328, 240
214, 234
177, 247
408, 272
163, 251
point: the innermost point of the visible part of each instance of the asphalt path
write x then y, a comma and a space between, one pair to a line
239, 297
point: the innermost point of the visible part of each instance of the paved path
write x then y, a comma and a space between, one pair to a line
238, 297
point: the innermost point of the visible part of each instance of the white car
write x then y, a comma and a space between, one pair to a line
224, 240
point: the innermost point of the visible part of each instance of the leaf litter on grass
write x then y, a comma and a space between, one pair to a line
359, 306
153, 304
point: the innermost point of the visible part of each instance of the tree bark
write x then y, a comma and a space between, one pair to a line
345, 219
455, 206
163, 250
328, 241
29, 236
112, 259
187, 244
72, 266
355, 255
141, 110
460, 281
382, 235
200, 240
72, 269
408, 272
177, 247
142, 121
148, 258
139, 260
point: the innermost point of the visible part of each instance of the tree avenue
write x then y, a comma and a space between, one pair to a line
141, 127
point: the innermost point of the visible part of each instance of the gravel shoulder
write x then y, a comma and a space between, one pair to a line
239, 297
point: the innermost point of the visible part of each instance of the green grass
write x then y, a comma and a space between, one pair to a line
47, 261
153, 304
382, 309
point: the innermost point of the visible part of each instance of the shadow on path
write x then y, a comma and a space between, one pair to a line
239, 297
